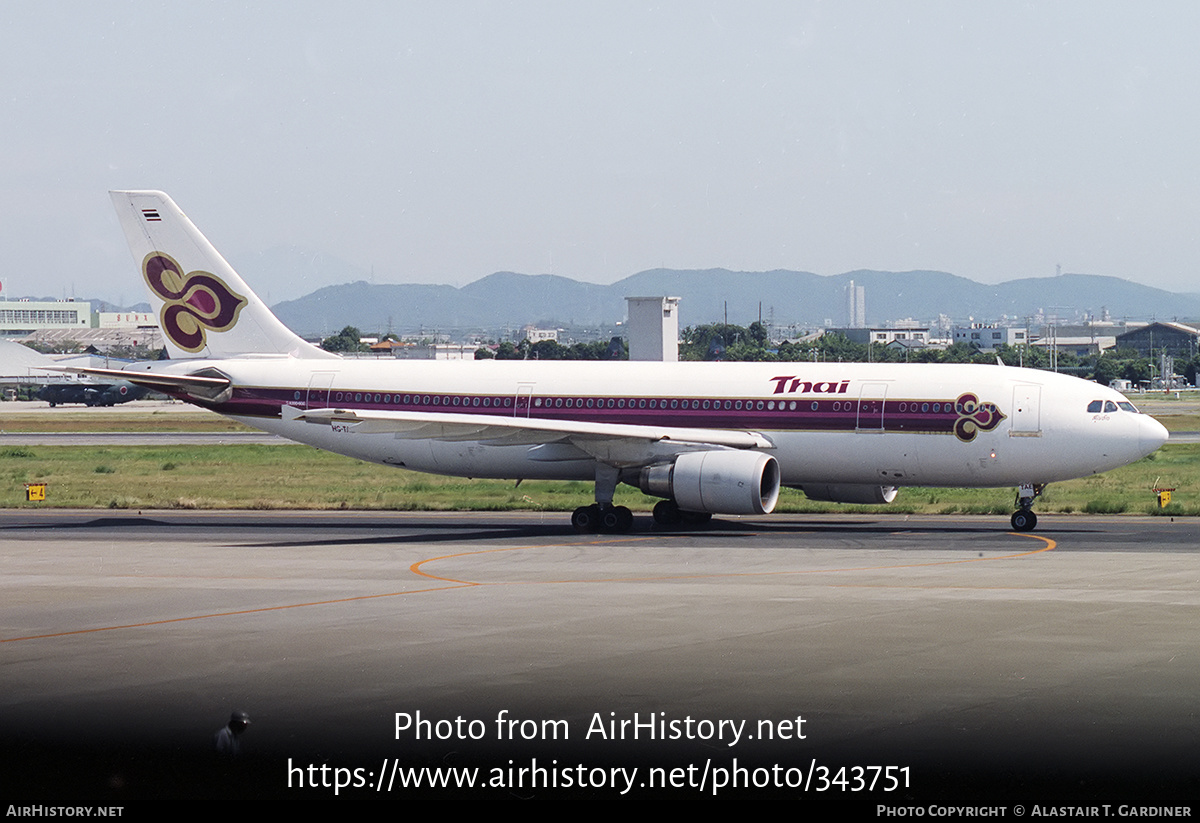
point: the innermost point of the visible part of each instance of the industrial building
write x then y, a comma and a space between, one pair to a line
1154, 339
21, 317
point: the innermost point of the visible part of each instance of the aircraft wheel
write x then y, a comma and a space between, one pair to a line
1024, 521
666, 513
586, 519
616, 519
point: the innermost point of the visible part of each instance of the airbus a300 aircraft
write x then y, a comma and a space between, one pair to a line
708, 438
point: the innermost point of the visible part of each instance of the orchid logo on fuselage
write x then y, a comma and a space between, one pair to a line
966, 417
192, 302
974, 417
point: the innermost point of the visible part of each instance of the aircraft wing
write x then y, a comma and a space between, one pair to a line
614, 443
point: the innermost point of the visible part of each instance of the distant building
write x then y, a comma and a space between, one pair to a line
1080, 340
100, 339
61, 322
1154, 339
436, 351
918, 336
988, 337
856, 306
389, 346
908, 345
126, 320
21, 317
653, 328
1078, 346
536, 335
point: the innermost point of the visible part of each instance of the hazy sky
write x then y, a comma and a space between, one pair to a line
440, 142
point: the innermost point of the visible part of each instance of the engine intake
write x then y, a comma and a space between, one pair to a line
718, 482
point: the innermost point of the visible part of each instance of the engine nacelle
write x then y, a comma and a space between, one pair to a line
718, 482
849, 493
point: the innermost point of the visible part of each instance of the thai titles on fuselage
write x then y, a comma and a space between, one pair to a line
791, 384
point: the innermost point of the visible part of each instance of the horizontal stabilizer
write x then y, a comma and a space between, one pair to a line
210, 387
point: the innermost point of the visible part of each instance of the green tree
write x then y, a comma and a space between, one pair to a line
1106, 370
546, 350
347, 340
699, 341
507, 351
758, 335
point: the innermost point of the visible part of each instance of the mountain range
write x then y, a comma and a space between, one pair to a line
788, 297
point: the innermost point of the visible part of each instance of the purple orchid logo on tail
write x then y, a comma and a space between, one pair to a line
192, 302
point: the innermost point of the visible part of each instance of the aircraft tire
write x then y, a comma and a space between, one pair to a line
586, 519
1024, 521
616, 519
666, 513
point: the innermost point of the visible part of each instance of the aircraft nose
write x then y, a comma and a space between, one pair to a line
1151, 434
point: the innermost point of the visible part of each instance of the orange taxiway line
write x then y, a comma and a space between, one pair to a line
415, 567
459, 584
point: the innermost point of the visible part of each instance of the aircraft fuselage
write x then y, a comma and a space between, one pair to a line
889, 424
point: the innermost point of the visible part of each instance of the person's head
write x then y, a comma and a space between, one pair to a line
238, 721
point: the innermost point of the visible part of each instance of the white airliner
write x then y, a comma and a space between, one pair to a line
708, 438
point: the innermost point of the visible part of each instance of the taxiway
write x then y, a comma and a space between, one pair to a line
1058, 664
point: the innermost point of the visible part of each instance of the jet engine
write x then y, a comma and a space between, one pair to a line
717, 482
849, 493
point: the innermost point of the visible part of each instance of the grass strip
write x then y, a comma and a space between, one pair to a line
301, 477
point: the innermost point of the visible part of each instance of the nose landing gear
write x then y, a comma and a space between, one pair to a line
1023, 519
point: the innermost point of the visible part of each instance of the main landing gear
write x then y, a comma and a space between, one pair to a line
603, 516
619, 519
597, 518
668, 513
1023, 519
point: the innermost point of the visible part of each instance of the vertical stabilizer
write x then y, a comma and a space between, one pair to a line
204, 308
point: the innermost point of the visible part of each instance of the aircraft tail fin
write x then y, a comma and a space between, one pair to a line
204, 308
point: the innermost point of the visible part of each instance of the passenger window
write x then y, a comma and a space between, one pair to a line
1095, 406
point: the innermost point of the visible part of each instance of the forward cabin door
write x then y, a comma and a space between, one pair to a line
1026, 410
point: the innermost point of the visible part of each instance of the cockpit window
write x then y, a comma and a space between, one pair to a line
1109, 406
1095, 406
1129, 407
